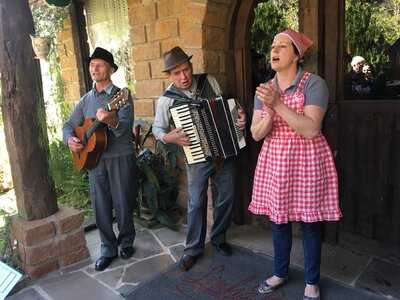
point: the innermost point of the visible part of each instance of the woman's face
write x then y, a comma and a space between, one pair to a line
282, 53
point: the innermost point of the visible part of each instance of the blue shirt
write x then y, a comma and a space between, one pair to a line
315, 91
120, 139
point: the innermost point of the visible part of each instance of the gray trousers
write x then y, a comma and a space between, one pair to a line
113, 184
222, 178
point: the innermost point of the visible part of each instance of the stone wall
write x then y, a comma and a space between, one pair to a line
201, 28
69, 64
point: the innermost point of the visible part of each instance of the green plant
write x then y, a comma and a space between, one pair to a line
49, 21
270, 18
7, 254
71, 186
365, 32
158, 185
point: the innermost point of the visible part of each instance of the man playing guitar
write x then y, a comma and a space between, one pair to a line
112, 180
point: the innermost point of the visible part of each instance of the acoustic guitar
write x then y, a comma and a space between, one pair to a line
93, 134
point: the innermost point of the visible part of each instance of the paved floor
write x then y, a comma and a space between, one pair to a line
158, 248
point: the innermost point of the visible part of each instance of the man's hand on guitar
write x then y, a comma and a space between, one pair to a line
75, 144
241, 121
177, 136
108, 117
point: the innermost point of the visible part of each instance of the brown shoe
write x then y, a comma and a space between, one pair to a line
186, 262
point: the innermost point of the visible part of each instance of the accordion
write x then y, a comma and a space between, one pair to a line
210, 125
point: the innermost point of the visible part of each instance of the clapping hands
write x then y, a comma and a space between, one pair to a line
268, 94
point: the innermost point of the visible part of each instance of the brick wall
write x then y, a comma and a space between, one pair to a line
200, 28
68, 63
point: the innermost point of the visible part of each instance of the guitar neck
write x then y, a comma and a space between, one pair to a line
114, 105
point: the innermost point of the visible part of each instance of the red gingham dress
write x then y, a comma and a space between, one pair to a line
295, 178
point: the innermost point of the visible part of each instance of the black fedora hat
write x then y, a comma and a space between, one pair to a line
174, 58
101, 53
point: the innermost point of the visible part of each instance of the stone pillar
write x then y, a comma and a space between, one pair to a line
51, 243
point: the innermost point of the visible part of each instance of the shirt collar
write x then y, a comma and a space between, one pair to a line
190, 91
295, 81
107, 90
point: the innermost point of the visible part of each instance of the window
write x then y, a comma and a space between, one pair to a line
372, 49
108, 27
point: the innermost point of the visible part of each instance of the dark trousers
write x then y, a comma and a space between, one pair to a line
113, 185
282, 238
222, 177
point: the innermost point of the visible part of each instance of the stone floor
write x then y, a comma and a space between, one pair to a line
156, 249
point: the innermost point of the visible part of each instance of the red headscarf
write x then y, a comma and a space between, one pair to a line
300, 41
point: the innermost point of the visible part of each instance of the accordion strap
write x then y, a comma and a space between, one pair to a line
200, 85
180, 97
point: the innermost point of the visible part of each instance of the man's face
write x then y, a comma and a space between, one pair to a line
182, 76
100, 70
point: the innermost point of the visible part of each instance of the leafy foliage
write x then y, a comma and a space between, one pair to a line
371, 27
364, 34
270, 18
48, 20
71, 186
7, 254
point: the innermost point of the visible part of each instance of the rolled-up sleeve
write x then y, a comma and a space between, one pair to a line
161, 124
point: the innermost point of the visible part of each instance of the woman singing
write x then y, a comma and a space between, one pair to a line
295, 177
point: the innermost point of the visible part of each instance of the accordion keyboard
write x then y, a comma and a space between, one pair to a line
182, 119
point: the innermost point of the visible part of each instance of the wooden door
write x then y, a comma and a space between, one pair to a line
369, 168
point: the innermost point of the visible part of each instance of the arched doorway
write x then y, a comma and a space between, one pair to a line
243, 85
246, 51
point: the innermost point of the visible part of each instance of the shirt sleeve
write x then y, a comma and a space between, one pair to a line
125, 120
161, 124
76, 119
316, 92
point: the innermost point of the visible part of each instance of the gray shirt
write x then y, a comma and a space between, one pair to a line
161, 125
119, 140
315, 91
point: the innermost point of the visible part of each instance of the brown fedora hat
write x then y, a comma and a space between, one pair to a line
174, 58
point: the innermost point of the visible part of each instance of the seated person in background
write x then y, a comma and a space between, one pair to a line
355, 76
356, 81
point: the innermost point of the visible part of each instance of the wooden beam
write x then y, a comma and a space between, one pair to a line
80, 39
23, 112
310, 23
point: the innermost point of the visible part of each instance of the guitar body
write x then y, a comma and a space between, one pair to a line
94, 147
93, 134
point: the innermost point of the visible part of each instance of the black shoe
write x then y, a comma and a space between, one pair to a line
103, 262
186, 262
126, 252
223, 248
